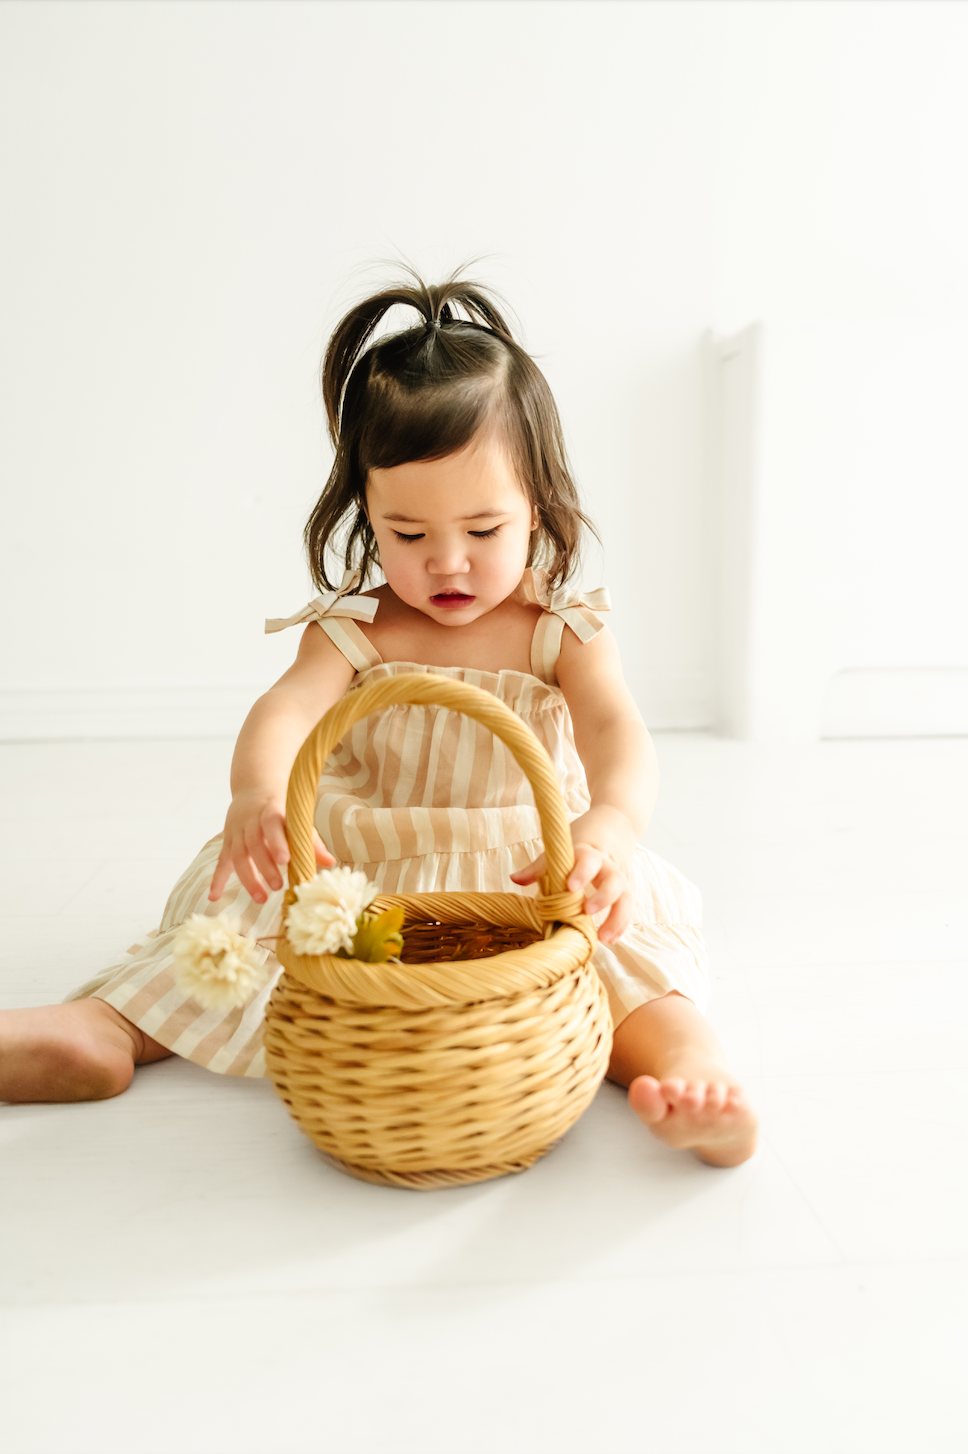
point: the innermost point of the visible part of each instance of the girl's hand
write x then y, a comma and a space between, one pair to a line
255, 846
604, 842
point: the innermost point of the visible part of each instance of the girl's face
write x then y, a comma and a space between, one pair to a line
453, 533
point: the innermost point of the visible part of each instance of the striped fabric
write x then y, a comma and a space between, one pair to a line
423, 800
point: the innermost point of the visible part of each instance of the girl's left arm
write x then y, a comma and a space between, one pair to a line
623, 778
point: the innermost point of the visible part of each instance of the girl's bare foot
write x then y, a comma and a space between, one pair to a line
673, 1064
700, 1109
83, 1051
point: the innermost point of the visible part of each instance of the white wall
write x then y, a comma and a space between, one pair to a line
191, 192
843, 465
844, 517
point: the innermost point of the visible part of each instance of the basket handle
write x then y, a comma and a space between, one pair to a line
416, 688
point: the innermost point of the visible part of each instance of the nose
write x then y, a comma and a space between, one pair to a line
448, 558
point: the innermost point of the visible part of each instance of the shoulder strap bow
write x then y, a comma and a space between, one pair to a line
358, 608
577, 608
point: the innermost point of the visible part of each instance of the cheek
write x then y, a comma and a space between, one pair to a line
503, 568
518, 548
401, 563
387, 544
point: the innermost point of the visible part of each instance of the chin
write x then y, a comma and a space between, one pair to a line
454, 616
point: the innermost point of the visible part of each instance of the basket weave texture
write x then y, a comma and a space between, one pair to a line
476, 1053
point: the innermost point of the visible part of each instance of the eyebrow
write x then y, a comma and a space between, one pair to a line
478, 515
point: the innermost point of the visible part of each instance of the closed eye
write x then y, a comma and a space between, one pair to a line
477, 534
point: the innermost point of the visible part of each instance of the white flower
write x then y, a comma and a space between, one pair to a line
216, 966
323, 918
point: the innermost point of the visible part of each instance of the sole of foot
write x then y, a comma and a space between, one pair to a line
710, 1117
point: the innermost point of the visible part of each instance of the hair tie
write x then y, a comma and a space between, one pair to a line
434, 322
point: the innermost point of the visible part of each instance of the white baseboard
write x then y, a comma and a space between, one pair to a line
897, 702
909, 702
69, 713
37, 714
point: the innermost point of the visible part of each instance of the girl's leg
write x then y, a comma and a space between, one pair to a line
679, 1085
82, 1051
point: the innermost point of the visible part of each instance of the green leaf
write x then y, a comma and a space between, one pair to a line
378, 937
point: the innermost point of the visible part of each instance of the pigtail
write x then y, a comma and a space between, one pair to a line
472, 299
349, 342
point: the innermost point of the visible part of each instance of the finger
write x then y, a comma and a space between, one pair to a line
618, 920
248, 878
588, 865
221, 876
259, 854
531, 873
608, 888
273, 826
323, 856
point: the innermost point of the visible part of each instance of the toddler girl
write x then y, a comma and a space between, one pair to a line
450, 475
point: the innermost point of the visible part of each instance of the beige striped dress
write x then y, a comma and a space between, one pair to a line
423, 799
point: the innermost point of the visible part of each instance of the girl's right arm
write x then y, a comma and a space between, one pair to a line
254, 845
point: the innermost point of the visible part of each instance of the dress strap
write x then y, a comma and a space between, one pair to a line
344, 633
567, 606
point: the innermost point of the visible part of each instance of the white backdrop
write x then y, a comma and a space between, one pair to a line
192, 192
843, 228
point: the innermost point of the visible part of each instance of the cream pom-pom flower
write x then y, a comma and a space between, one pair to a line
323, 919
218, 967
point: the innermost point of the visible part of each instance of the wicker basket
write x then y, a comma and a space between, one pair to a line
473, 1056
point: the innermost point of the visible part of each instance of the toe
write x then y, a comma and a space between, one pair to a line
674, 1091
693, 1097
647, 1100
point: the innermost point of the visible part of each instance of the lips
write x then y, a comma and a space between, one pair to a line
451, 600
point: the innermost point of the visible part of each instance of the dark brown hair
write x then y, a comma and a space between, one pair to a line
425, 393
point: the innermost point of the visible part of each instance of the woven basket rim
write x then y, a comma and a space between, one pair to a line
436, 983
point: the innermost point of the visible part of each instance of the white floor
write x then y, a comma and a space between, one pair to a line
179, 1271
